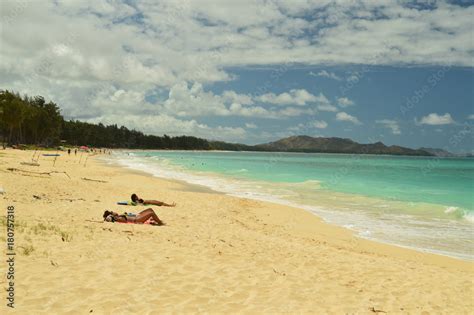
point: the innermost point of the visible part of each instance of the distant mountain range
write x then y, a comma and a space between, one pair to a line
77, 133
438, 152
444, 153
337, 145
330, 145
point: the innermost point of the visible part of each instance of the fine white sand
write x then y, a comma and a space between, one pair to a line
217, 254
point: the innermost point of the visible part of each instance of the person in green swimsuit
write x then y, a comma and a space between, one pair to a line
138, 200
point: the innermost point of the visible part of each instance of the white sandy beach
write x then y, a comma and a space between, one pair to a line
217, 254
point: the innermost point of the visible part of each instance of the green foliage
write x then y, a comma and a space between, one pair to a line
225, 146
82, 133
33, 122
29, 120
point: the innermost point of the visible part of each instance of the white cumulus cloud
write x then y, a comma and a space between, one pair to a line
390, 124
435, 119
344, 102
321, 124
343, 116
326, 74
165, 124
99, 58
293, 97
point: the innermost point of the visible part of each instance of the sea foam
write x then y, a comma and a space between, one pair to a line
394, 228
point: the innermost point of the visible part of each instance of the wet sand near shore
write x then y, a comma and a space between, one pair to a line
217, 253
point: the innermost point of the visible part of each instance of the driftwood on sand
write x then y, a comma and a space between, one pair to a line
30, 163
93, 180
12, 169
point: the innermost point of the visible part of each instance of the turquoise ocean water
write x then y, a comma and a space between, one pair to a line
418, 202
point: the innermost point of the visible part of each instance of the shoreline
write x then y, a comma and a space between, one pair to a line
312, 209
186, 186
351, 233
461, 156
217, 254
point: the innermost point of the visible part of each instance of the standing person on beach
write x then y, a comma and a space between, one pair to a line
137, 199
75, 151
68, 151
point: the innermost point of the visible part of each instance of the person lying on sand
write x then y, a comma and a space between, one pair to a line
141, 217
137, 199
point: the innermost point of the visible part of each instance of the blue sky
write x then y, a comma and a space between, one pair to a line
403, 95
251, 71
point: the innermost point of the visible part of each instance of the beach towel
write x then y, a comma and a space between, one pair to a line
131, 203
127, 203
149, 221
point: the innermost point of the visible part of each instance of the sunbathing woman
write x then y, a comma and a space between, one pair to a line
141, 217
137, 199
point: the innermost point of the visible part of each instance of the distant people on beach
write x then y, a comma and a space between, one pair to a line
68, 151
140, 218
139, 200
75, 151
